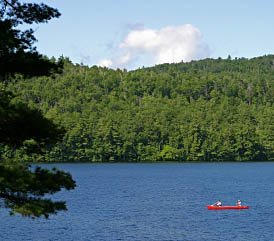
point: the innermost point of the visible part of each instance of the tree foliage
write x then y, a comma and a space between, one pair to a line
25, 132
19, 123
22, 189
207, 110
17, 52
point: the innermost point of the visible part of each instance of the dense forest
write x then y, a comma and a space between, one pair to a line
207, 110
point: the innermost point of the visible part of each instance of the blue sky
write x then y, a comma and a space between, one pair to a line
132, 34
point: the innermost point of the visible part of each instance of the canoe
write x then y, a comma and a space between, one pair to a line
227, 207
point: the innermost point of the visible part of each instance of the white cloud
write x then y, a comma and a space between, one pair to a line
105, 63
124, 59
171, 44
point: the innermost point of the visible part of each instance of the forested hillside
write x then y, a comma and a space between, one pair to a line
207, 110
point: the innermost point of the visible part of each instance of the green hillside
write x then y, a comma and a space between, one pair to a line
207, 110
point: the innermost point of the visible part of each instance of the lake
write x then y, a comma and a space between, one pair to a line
165, 201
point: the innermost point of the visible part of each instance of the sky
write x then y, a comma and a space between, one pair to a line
132, 34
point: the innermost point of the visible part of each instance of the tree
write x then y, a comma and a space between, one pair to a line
21, 188
17, 53
19, 123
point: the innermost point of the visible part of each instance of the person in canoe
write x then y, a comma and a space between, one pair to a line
218, 204
239, 203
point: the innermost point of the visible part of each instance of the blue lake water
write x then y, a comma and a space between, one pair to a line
156, 202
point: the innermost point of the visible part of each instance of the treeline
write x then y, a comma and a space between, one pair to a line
207, 110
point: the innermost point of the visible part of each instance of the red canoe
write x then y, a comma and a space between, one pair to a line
227, 207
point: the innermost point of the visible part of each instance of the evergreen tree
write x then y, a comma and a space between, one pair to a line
21, 126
